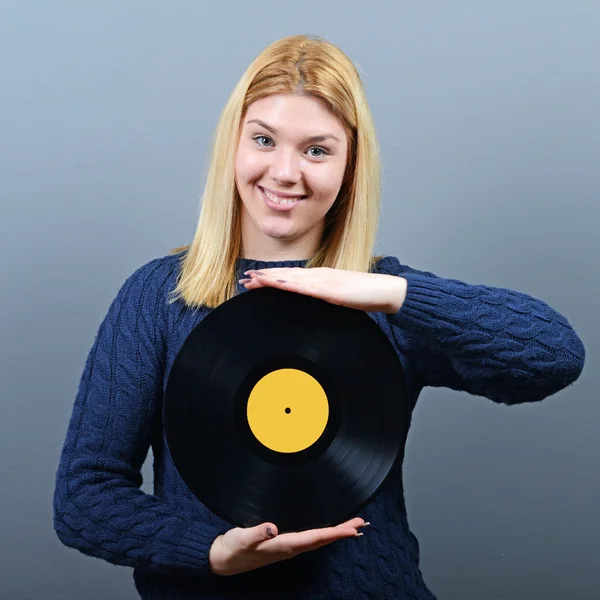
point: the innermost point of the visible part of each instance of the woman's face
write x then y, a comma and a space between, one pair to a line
286, 180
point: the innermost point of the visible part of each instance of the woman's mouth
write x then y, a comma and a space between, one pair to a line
277, 203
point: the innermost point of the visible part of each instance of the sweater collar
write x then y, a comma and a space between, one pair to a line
245, 264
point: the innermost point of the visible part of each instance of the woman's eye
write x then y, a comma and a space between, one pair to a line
259, 137
321, 151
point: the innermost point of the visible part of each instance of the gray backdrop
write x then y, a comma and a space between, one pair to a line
490, 128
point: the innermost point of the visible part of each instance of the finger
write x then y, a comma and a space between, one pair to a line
313, 538
251, 284
282, 280
266, 281
356, 522
348, 532
318, 545
276, 271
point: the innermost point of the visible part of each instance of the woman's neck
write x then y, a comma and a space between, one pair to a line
277, 252
258, 246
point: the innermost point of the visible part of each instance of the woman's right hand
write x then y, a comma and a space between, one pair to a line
244, 549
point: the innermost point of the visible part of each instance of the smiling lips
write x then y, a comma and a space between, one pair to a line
280, 201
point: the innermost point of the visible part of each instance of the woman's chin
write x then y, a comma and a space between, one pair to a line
281, 236
278, 233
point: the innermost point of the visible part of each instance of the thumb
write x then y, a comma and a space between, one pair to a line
261, 533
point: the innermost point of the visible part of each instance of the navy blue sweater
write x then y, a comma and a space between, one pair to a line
491, 342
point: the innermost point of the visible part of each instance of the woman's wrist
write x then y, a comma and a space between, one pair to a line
397, 293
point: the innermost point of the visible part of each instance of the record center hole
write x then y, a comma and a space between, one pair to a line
288, 411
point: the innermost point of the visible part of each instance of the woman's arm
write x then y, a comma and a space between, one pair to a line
98, 506
492, 342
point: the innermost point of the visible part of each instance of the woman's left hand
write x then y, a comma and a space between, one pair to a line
371, 292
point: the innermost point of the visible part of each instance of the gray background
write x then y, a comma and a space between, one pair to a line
489, 117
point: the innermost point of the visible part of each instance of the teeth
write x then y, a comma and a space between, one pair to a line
277, 199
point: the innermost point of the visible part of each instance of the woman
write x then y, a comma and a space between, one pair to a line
291, 201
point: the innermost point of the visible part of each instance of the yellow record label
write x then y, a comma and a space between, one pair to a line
287, 410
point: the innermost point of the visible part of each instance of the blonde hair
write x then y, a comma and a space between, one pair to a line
299, 64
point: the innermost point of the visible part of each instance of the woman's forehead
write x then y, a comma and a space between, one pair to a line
296, 116
281, 106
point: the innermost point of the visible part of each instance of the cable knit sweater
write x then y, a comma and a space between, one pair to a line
491, 342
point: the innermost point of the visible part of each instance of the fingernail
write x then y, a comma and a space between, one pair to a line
367, 523
270, 532
359, 534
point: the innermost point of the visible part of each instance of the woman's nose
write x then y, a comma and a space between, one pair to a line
285, 166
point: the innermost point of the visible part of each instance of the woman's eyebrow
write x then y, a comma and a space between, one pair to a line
310, 139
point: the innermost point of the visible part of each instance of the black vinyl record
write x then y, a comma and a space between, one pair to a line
285, 408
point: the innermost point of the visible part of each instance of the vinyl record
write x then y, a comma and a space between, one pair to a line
285, 408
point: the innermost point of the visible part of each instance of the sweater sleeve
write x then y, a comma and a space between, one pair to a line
98, 506
487, 341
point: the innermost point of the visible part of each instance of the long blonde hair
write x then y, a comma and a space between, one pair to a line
298, 64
